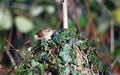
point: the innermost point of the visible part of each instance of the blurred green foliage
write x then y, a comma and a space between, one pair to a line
62, 56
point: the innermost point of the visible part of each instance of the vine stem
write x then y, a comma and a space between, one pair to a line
65, 15
112, 37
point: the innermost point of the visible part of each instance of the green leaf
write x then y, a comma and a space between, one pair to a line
60, 37
28, 73
65, 53
76, 72
59, 61
23, 24
65, 70
34, 63
82, 44
74, 57
5, 18
18, 71
51, 43
42, 68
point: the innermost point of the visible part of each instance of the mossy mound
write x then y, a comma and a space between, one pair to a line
66, 53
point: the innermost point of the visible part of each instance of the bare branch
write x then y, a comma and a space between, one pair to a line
8, 48
65, 15
112, 37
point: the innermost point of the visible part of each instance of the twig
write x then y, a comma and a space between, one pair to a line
73, 15
65, 15
11, 45
114, 62
17, 51
89, 18
112, 36
8, 48
90, 29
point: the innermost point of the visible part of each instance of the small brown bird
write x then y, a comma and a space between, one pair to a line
45, 33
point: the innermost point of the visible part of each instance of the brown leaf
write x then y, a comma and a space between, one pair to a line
79, 59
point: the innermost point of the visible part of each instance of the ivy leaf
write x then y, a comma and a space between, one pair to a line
29, 73
23, 24
65, 53
34, 63
82, 44
74, 57
42, 68
65, 70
